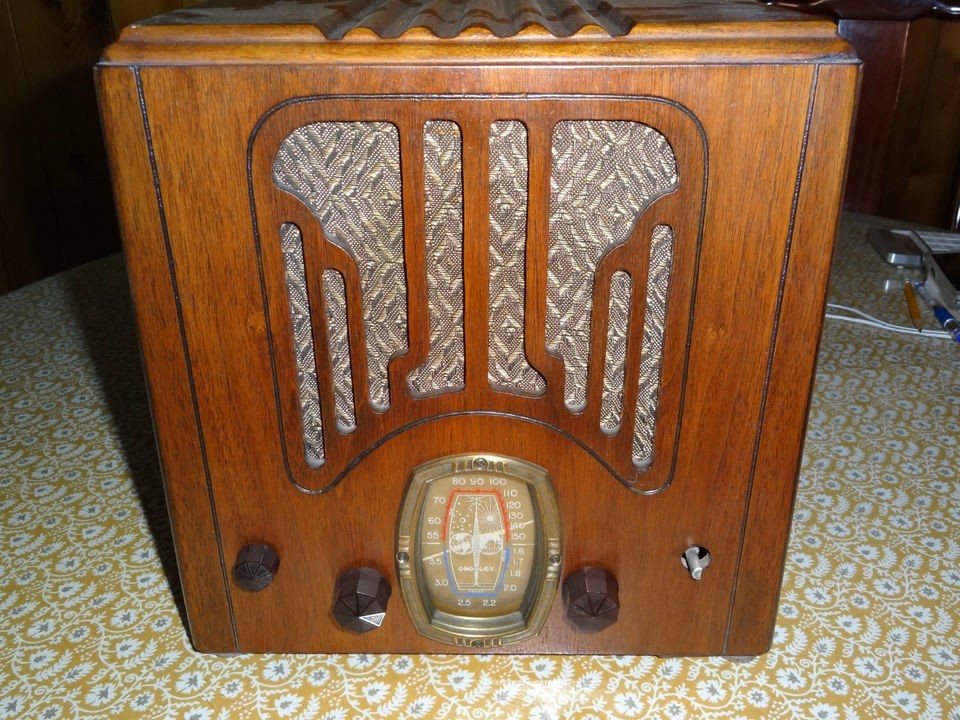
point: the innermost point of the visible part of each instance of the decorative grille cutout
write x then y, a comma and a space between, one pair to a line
348, 174
507, 367
615, 361
604, 175
292, 245
335, 311
651, 354
443, 370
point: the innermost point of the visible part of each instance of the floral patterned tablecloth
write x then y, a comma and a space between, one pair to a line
92, 622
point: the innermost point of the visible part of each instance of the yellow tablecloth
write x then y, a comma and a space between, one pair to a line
92, 623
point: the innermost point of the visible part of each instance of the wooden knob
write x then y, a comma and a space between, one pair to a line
591, 598
360, 601
255, 567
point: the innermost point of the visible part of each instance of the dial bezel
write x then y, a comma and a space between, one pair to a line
478, 627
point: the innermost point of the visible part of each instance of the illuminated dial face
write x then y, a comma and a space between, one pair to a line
479, 549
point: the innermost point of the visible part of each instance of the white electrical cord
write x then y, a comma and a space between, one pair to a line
862, 318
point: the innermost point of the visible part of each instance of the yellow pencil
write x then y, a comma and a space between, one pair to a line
912, 307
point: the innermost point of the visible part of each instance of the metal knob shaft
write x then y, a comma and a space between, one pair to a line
695, 559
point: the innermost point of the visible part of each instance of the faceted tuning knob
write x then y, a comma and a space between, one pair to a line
591, 597
255, 567
360, 599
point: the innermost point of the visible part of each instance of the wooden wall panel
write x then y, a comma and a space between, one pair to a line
56, 207
55, 201
925, 165
905, 161
11, 92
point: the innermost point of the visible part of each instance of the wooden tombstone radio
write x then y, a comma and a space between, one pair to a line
474, 328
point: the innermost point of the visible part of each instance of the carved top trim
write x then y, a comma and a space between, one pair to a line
391, 19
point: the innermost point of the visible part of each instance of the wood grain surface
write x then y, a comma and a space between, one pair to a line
759, 127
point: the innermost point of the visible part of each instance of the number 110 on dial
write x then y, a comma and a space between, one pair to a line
479, 549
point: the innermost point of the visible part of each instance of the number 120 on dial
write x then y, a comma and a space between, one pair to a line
479, 549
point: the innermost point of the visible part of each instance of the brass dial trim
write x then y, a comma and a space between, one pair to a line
507, 598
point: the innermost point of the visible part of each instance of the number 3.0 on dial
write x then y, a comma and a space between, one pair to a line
479, 549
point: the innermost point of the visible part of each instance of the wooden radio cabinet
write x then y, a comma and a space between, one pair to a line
475, 327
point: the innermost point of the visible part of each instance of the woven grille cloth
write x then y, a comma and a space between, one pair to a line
615, 360
507, 367
604, 175
292, 247
443, 370
348, 174
335, 313
654, 323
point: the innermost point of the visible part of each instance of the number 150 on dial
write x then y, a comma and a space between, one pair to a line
478, 549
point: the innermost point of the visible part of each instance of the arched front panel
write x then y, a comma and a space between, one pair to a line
530, 257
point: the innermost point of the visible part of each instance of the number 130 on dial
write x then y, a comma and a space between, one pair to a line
479, 549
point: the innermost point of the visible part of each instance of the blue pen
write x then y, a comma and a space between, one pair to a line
944, 317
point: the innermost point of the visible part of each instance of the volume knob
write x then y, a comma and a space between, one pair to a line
255, 567
360, 599
591, 596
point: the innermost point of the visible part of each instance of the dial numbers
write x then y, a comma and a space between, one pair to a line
485, 544
478, 549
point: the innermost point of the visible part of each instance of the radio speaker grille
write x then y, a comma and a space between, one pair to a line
604, 174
